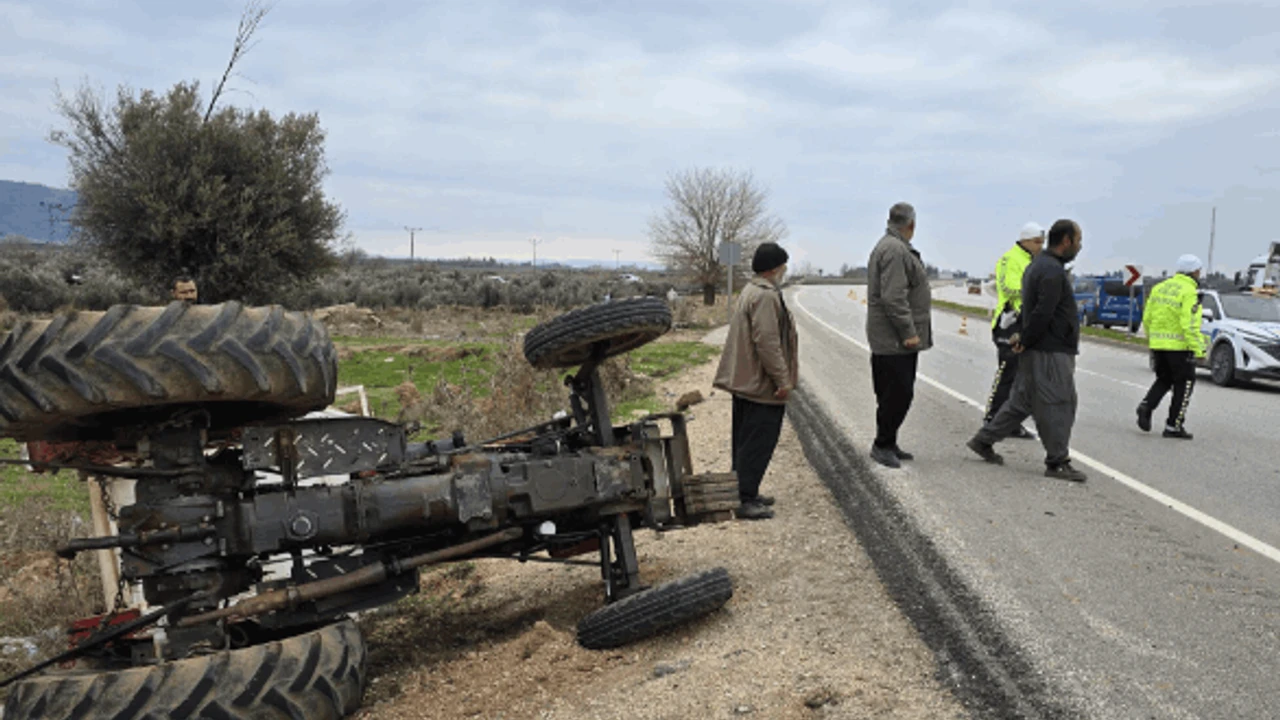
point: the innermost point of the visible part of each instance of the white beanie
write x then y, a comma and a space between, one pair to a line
1031, 231
1188, 264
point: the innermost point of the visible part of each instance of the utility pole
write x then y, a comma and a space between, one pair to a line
411, 230
617, 254
1213, 225
51, 207
535, 241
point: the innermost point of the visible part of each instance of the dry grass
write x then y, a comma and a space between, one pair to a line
690, 312
510, 395
442, 323
39, 593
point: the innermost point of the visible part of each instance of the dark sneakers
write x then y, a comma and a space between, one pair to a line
1144, 417
985, 451
754, 510
763, 499
885, 456
1180, 433
1064, 471
903, 454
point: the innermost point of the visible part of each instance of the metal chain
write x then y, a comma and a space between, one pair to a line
110, 506
107, 502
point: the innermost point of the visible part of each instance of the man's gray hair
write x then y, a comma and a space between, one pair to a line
901, 215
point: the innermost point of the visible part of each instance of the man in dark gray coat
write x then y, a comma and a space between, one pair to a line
1045, 386
899, 326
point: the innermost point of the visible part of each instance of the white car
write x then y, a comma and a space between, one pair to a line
1242, 336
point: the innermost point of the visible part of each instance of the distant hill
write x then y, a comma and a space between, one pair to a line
21, 212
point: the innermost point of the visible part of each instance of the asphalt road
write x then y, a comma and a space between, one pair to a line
1151, 591
961, 295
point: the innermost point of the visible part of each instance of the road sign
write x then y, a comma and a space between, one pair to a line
1133, 274
729, 252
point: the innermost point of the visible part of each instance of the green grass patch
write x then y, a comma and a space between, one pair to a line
971, 309
382, 372
62, 490
374, 340
658, 360
1110, 334
662, 359
627, 411
1097, 332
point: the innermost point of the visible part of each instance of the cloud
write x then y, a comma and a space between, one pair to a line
490, 121
47, 30
1126, 86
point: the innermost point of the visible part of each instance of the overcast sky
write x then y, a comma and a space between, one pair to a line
489, 122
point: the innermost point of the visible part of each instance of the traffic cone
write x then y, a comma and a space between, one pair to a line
853, 295
864, 301
964, 324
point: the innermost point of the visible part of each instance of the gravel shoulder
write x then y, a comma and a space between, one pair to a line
809, 633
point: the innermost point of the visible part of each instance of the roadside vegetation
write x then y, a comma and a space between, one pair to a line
1104, 333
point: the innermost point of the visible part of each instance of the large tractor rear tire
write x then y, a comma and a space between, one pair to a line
316, 676
82, 374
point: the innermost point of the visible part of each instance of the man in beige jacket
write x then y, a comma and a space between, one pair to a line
760, 368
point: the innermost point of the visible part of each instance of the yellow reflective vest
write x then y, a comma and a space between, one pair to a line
1009, 272
1172, 316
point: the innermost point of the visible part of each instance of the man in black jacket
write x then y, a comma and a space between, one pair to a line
1045, 387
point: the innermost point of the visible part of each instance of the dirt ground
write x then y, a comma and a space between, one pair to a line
809, 632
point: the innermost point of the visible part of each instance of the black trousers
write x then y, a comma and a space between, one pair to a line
894, 380
1006, 371
756, 427
1176, 370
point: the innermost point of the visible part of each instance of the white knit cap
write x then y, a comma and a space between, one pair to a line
1031, 231
1188, 264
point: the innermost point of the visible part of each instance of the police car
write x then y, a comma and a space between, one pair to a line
1242, 336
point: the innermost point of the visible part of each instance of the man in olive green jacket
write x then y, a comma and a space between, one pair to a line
759, 367
1171, 315
899, 327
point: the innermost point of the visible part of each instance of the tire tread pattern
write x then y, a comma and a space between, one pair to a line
652, 611
306, 677
54, 374
626, 324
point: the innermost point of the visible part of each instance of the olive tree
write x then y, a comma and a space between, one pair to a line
169, 184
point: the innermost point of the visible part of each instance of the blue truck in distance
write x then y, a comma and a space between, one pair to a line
1104, 301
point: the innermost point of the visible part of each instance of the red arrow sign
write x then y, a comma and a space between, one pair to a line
1135, 274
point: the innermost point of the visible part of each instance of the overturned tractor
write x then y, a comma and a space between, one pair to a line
202, 406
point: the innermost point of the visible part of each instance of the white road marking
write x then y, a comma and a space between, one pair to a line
1114, 380
1235, 534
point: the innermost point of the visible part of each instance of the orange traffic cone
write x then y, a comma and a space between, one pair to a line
964, 324
853, 295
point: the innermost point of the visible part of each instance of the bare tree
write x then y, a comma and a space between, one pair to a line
705, 208
252, 16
